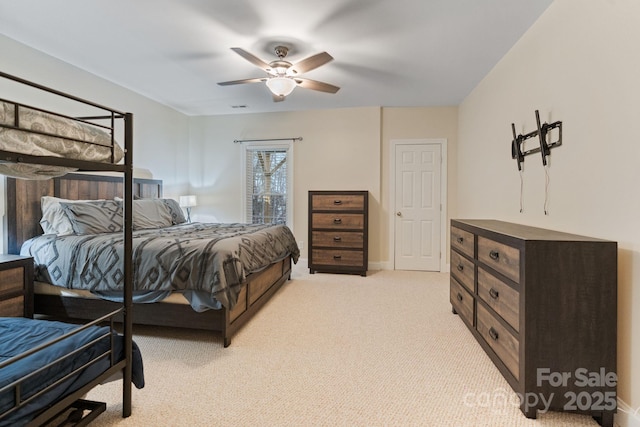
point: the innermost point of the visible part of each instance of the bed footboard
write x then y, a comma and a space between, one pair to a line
260, 287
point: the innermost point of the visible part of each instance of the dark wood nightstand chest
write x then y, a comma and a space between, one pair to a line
338, 231
16, 286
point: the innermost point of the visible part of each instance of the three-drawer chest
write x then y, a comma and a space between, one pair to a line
543, 306
338, 231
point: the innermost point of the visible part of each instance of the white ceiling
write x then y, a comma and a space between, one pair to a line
391, 53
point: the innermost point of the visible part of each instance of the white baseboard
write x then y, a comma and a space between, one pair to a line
384, 265
377, 266
388, 265
627, 416
302, 263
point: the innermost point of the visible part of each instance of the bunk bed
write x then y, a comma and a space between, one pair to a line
47, 367
248, 292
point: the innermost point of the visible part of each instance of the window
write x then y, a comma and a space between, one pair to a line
268, 171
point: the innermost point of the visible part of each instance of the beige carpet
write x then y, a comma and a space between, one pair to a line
328, 350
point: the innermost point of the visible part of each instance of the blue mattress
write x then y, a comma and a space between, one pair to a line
18, 335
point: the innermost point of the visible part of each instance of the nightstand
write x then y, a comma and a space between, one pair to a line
16, 286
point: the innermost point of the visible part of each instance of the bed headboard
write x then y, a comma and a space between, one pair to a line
23, 199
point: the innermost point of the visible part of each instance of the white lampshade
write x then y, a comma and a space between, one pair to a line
281, 86
188, 201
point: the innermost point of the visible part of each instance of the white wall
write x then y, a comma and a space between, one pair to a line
416, 123
343, 149
579, 63
160, 133
340, 150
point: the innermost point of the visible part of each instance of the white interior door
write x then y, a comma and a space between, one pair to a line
417, 206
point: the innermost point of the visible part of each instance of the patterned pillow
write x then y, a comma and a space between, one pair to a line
94, 217
172, 206
151, 213
177, 216
54, 220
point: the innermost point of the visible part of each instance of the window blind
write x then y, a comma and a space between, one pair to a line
266, 180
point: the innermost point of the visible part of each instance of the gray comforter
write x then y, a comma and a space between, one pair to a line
213, 259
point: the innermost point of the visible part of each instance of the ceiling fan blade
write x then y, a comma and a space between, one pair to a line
239, 82
278, 98
309, 63
316, 85
252, 58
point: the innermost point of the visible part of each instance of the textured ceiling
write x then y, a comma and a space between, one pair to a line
392, 53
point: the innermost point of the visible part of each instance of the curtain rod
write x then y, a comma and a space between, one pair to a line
240, 141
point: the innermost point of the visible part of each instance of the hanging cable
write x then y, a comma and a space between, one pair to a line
546, 189
521, 191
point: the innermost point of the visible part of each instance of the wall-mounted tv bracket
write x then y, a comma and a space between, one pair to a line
541, 132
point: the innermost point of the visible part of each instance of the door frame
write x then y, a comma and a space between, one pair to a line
443, 196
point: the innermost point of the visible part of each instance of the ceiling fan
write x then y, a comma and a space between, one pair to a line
282, 76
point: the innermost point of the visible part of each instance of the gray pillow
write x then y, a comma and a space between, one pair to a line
177, 216
151, 213
94, 217
54, 220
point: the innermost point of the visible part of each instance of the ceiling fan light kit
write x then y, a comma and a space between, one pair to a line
281, 86
280, 79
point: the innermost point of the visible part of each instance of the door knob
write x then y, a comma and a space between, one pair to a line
398, 213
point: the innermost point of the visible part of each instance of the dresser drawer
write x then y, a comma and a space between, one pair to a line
12, 307
338, 239
505, 345
334, 257
462, 240
338, 221
462, 301
502, 258
337, 202
11, 280
502, 298
463, 269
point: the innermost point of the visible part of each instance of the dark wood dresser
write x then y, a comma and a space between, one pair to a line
16, 286
543, 306
338, 231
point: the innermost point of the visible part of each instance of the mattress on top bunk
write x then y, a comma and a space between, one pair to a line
60, 137
20, 335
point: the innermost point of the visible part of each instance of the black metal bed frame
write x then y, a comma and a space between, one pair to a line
126, 310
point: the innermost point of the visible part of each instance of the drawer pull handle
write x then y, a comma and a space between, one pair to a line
337, 239
337, 257
337, 202
460, 240
337, 221
494, 255
494, 334
493, 293
459, 296
460, 267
